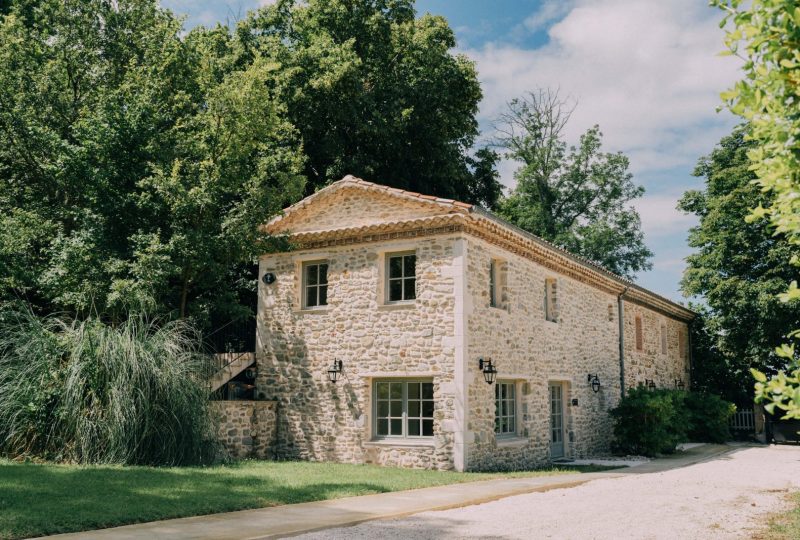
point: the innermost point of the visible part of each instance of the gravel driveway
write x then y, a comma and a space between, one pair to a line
727, 497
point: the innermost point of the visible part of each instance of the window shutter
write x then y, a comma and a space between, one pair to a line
639, 334
551, 299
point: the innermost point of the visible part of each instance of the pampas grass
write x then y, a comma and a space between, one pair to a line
89, 392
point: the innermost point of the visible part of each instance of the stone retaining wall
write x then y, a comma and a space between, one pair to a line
247, 428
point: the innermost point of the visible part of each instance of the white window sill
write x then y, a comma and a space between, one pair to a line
511, 442
400, 443
397, 305
309, 311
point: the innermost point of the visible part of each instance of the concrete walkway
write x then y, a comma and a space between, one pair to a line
289, 520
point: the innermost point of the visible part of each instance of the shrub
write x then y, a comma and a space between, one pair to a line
709, 417
650, 422
89, 392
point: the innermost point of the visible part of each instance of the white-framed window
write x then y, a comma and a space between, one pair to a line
505, 408
315, 284
401, 277
551, 299
403, 408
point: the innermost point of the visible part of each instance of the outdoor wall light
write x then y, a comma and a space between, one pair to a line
679, 384
595, 381
334, 371
489, 371
650, 383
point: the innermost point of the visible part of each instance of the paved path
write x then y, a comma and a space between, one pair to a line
281, 521
728, 497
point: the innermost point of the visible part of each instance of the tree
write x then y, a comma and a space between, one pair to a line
576, 197
375, 92
739, 269
766, 33
136, 163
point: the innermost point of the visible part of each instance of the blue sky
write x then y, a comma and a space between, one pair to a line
646, 71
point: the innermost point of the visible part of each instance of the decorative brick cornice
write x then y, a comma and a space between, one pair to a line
318, 241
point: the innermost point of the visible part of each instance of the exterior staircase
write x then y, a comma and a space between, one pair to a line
229, 365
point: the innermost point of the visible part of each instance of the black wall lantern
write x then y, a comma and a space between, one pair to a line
489, 371
595, 381
334, 371
268, 278
650, 383
679, 384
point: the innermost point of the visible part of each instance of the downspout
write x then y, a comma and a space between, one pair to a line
621, 313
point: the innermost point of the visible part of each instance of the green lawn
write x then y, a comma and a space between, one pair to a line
784, 526
38, 499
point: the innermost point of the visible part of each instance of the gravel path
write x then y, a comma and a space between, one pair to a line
727, 497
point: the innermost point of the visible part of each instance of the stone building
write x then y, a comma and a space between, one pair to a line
412, 302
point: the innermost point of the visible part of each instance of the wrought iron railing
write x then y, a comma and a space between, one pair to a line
233, 337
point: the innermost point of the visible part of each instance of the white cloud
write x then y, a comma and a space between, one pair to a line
647, 71
548, 12
661, 218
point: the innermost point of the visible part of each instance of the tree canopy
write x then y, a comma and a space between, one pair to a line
376, 92
766, 33
137, 160
577, 197
738, 268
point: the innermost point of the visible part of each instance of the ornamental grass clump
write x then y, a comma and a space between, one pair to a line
86, 391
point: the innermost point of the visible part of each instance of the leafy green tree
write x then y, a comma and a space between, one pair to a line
136, 163
739, 269
576, 197
376, 92
766, 33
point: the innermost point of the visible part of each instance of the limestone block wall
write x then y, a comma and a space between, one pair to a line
651, 362
246, 428
348, 206
533, 352
318, 420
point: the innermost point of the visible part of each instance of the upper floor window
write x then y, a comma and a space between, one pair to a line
315, 284
497, 283
681, 343
551, 299
403, 408
401, 275
505, 407
663, 338
639, 333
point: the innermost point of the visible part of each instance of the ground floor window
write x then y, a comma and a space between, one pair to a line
505, 407
403, 408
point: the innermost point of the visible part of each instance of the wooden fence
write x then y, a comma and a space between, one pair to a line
743, 420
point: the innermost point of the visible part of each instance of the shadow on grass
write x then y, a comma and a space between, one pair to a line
46, 499
38, 499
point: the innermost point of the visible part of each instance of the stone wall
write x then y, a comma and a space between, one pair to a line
533, 352
651, 362
246, 428
333, 210
318, 420
439, 337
